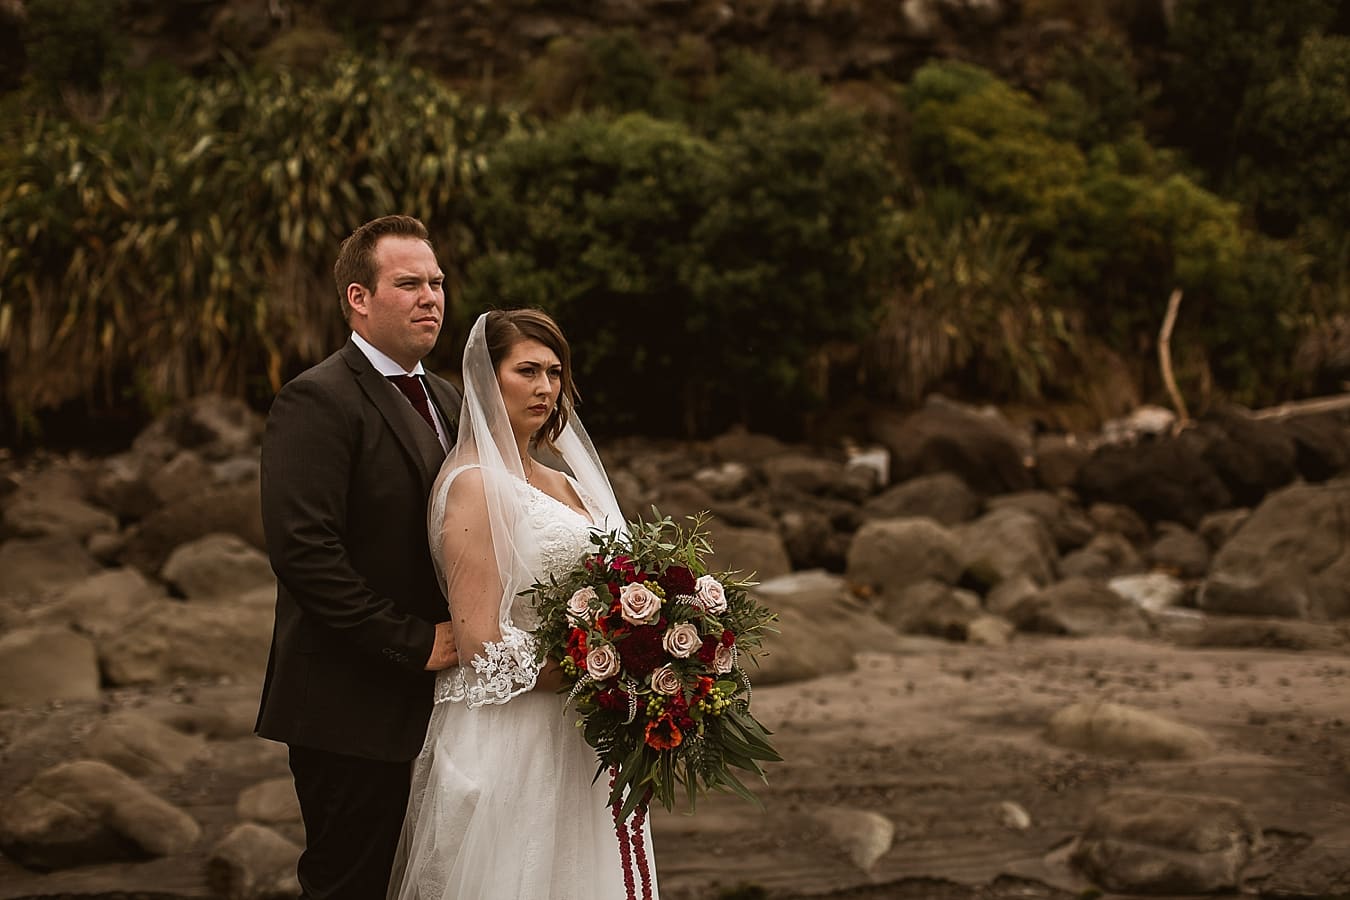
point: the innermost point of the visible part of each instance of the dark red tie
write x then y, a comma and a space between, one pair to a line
411, 386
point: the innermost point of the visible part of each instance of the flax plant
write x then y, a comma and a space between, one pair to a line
183, 244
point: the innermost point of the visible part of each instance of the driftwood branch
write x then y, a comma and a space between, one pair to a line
1165, 357
1304, 407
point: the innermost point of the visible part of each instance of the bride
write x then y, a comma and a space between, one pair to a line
503, 801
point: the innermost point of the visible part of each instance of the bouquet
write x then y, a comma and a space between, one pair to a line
652, 649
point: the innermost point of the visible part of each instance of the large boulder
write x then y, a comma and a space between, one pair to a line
140, 745
1006, 543
1113, 729
273, 800
228, 639
37, 566
817, 476
217, 565
889, 555
38, 665
183, 475
1107, 555
1251, 456
988, 453
101, 604
933, 608
1079, 607
1321, 446
1068, 525
33, 516
85, 812
942, 497
822, 626
1168, 479
752, 551
214, 426
253, 863
1180, 551
233, 509
1291, 557
1146, 842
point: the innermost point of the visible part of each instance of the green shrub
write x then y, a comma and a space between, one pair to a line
73, 44
184, 243
1117, 228
699, 275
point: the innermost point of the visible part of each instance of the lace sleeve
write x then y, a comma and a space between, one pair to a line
497, 659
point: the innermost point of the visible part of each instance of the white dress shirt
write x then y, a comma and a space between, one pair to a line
386, 367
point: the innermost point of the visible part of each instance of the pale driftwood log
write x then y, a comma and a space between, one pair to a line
1308, 407
1165, 359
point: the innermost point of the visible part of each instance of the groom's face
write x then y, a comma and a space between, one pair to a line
401, 315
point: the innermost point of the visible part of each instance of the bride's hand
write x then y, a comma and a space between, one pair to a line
550, 677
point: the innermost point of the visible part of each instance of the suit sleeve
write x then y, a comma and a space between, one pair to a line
307, 454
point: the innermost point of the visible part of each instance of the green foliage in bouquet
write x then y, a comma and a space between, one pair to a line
185, 242
652, 650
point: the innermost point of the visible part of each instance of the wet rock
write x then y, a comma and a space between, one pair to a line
1004, 544
1078, 607
1167, 480
226, 639
253, 863
1068, 525
217, 565
822, 626
942, 497
1113, 729
38, 665
269, 801
235, 509
1180, 551
140, 745
888, 555
816, 476
56, 517
84, 812
1251, 456
101, 604
988, 453
1291, 557
1154, 843
1107, 555
748, 550
864, 836
36, 566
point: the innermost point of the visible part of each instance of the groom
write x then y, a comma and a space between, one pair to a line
348, 459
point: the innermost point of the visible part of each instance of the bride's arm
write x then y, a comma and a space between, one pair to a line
498, 659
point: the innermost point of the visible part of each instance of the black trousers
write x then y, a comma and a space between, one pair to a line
353, 812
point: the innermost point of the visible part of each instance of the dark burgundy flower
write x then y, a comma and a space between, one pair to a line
708, 652
677, 580
641, 651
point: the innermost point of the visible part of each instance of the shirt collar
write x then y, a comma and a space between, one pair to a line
382, 363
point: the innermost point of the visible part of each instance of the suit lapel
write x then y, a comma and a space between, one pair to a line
447, 401
417, 439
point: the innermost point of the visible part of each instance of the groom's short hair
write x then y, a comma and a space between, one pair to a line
356, 257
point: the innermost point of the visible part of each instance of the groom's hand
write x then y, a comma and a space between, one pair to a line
443, 654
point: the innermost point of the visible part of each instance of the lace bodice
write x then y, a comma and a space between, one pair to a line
553, 537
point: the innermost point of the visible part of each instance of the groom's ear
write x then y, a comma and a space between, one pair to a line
358, 298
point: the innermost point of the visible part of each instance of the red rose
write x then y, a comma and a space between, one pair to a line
728, 638
708, 652
677, 580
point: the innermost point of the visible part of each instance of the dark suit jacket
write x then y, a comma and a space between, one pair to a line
347, 467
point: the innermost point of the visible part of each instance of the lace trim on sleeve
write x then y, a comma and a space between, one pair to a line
503, 670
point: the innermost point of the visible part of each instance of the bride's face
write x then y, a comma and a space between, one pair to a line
530, 377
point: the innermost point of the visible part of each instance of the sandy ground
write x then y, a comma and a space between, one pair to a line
935, 738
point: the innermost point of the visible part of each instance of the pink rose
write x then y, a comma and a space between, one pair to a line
724, 658
682, 641
637, 604
579, 606
602, 662
666, 681
710, 595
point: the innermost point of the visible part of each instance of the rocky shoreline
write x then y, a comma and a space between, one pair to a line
1010, 664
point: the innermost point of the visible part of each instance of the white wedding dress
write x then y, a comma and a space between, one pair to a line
503, 806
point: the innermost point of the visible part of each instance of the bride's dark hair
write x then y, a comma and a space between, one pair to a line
505, 328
